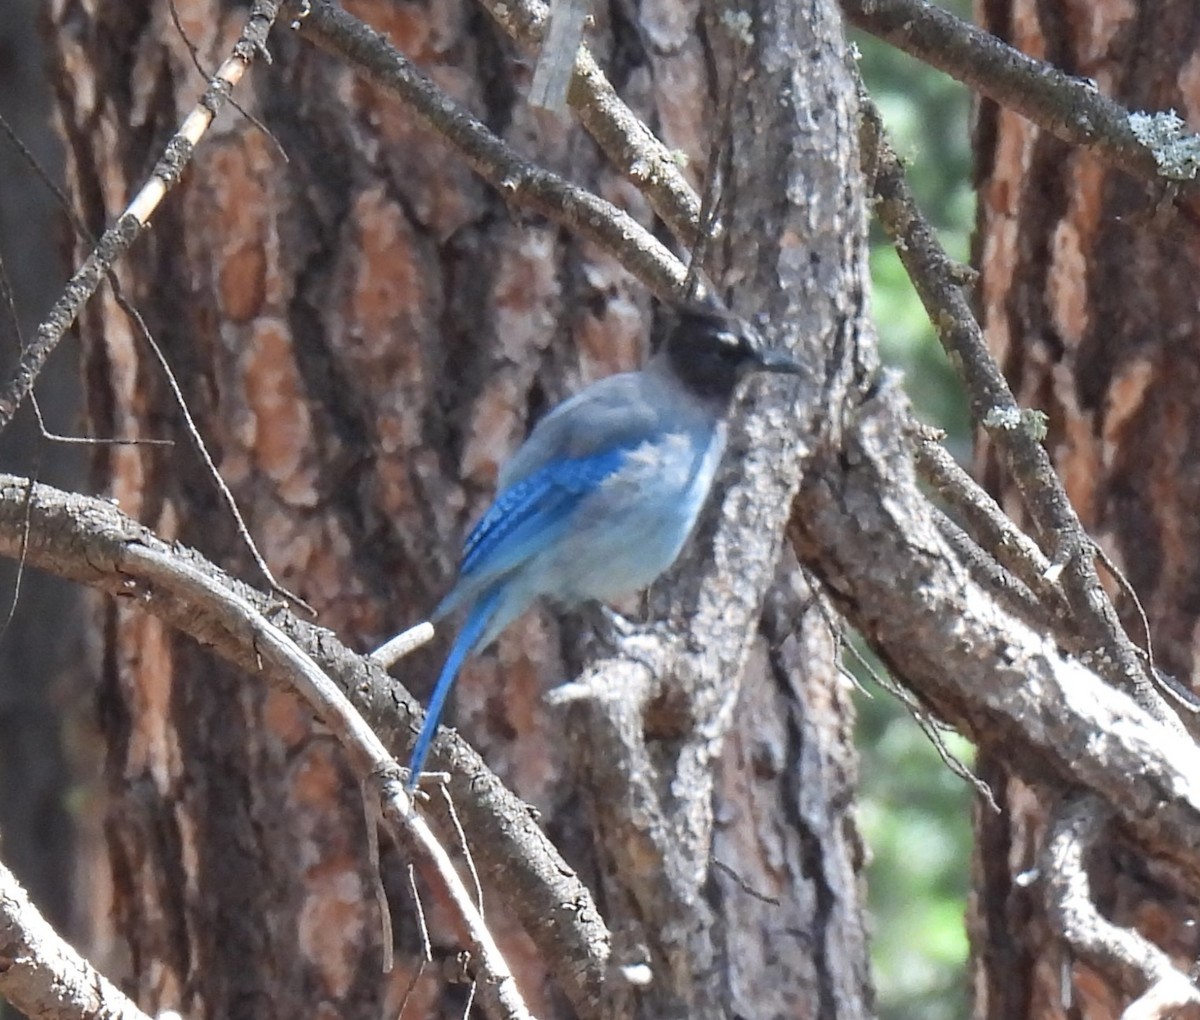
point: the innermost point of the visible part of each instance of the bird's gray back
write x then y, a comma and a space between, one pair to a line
617, 411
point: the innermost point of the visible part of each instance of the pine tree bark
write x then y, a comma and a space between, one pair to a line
1089, 296
362, 333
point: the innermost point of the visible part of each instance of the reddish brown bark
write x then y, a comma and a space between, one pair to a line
1090, 296
363, 332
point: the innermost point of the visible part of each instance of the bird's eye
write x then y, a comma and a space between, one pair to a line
729, 346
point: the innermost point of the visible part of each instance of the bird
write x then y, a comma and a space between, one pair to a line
600, 498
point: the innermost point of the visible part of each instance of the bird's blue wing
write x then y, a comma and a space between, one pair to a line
526, 516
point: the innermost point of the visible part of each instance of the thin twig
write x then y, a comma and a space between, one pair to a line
919, 714
519, 182
10, 307
1118, 575
426, 945
193, 431
465, 847
19, 577
720, 153
745, 886
371, 819
118, 238
930, 727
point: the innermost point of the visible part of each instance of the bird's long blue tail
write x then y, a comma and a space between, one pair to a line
472, 630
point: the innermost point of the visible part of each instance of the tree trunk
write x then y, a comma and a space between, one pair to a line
362, 333
1089, 297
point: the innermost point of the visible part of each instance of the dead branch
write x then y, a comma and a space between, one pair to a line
988, 523
1070, 108
1076, 825
862, 525
118, 238
995, 409
90, 541
521, 183
191, 583
44, 977
990, 573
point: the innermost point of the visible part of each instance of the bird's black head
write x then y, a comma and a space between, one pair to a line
709, 349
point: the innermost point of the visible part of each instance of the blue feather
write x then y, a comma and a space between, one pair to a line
539, 500
524, 517
473, 627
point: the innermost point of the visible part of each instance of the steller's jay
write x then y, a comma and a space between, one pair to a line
601, 497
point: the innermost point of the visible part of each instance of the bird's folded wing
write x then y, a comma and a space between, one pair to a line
524, 518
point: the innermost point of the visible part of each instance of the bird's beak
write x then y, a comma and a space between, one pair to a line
773, 359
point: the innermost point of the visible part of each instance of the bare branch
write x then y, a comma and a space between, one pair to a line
995, 409
43, 976
988, 523
1070, 108
862, 525
1075, 827
629, 145
371, 761
989, 572
519, 182
118, 238
89, 541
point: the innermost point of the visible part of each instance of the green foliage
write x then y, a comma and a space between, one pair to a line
915, 818
915, 813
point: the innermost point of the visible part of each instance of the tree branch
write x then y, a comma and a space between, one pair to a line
193, 582
994, 408
43, 976
1075, 827
121, 235
988, 523
91, 542
863, 526
519, 182
1070, 108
